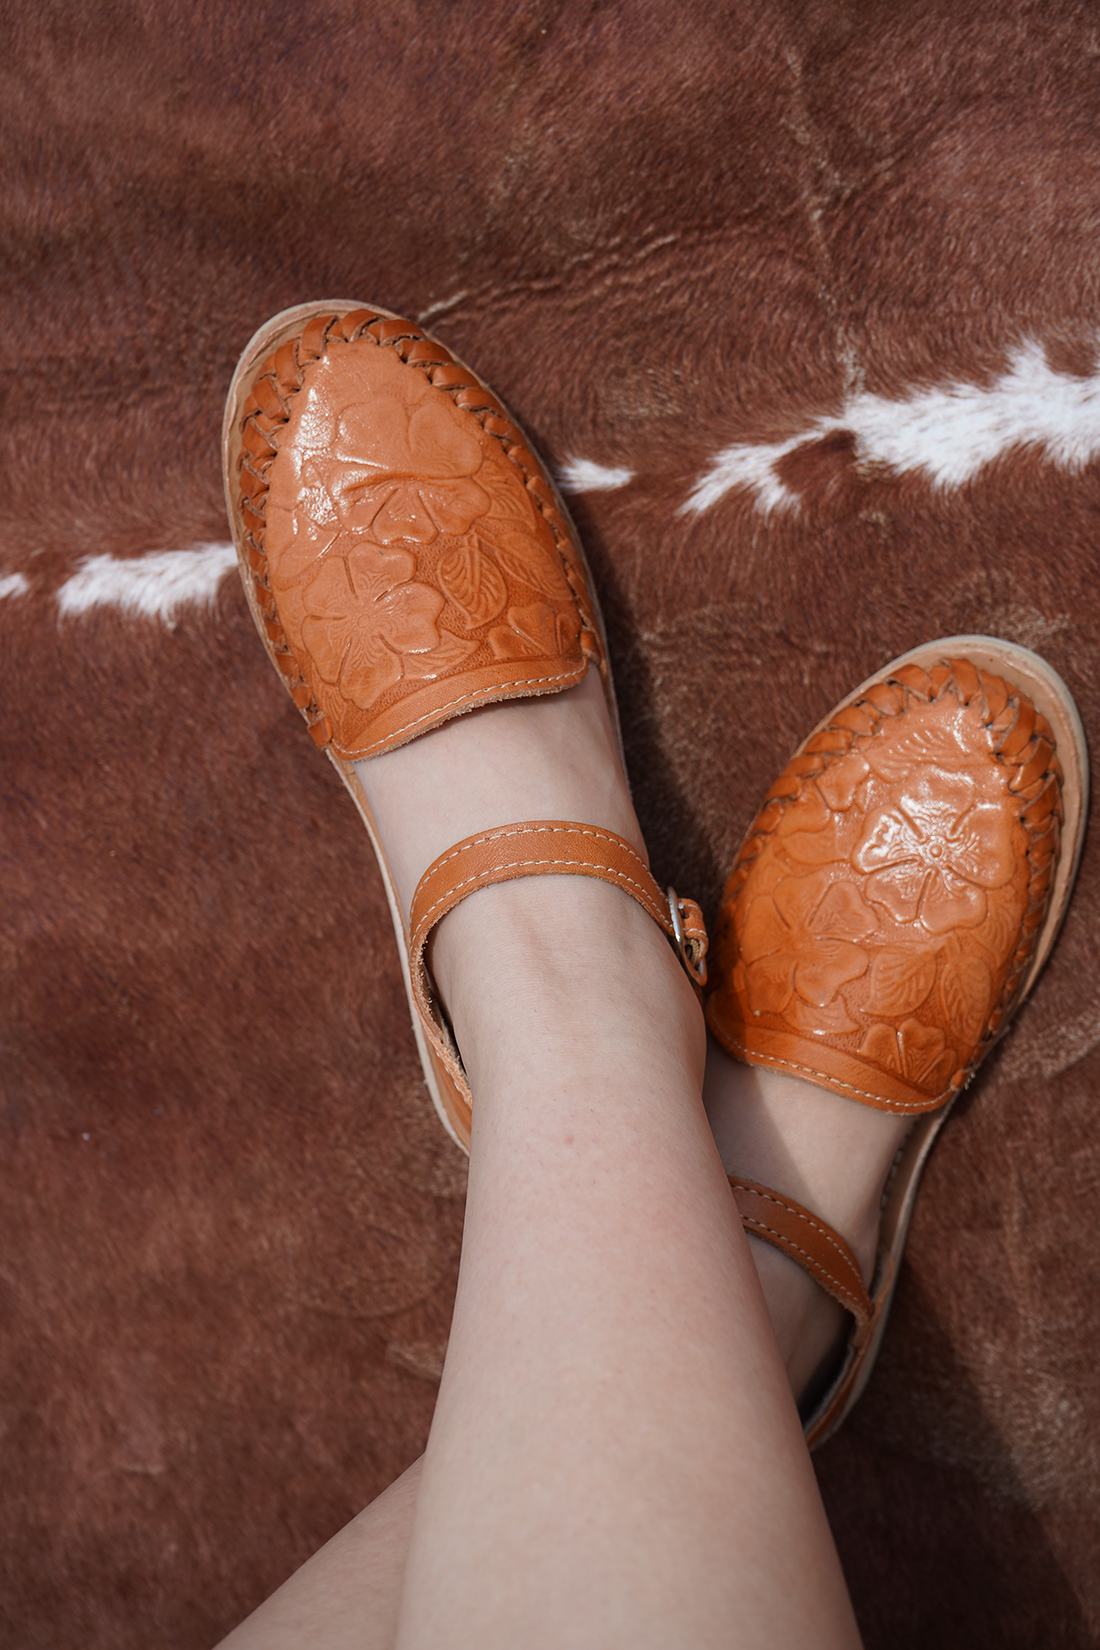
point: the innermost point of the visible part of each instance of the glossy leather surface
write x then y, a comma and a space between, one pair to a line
882, 911
408, 555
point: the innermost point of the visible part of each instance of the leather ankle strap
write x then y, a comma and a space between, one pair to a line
536, 848
807, 1239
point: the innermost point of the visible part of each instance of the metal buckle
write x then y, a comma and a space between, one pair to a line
677, 925
695, 973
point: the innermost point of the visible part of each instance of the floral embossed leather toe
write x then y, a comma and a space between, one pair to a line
404, 554
406, 559
887, 913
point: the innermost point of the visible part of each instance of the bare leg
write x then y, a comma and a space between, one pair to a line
823, 1150
615, 1456
345, 1597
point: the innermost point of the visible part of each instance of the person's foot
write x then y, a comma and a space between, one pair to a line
613, 1410
549, 758
826, 1152
886, 914
419, 589
557, 758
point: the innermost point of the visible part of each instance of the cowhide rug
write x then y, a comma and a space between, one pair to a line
803, 301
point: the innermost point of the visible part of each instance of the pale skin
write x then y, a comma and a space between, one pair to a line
616, 1457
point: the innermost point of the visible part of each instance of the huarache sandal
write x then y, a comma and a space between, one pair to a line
406, 559
886, 915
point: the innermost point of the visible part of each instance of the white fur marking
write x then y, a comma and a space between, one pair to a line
752, 467
946, 435
443, 305
583, 475
14, 585
155, 586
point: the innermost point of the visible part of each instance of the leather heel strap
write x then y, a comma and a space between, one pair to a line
538, 848
807, 1239
553, 847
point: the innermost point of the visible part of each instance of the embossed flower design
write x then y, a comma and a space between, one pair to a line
401, 472
367, 621
799, 945
912, 1050
820, 828
932, 853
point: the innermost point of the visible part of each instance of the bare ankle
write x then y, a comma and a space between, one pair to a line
542, 758
567, 961
829, 1154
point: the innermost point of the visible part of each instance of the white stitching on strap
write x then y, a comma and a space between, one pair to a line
811, 1220
528, 827
534, 828
816, 1270
525, 864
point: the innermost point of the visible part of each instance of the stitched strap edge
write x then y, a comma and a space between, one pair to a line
791, 1228
534, 848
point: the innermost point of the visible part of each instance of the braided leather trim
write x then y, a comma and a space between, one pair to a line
1021, 741
820, 1251
268, 407
537, 847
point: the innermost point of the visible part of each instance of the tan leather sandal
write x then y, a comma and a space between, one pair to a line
886, 915
406, 559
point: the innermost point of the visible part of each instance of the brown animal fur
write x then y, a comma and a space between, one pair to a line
230, 1223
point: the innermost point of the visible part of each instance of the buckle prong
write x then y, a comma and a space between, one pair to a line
692, 954
677, 922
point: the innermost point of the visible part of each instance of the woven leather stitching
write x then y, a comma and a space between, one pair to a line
864, 1299
287, 395
875, 714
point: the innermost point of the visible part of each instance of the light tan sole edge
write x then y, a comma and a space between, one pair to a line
1052, 698
264, 342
